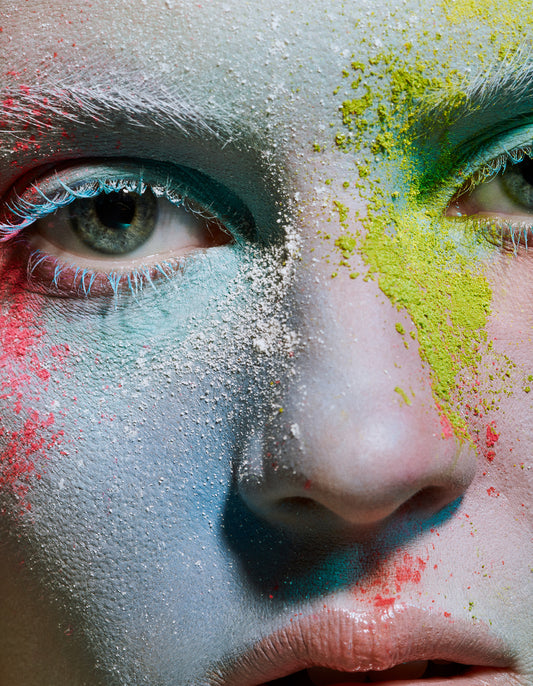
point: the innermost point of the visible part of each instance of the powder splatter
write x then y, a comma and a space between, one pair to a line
389, 580
422, 261
491, 438
26, 434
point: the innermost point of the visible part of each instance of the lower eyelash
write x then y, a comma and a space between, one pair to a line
506, 235
47, 272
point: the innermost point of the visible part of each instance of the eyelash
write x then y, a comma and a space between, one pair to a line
489, 170
30, 212
19, 212
83, 279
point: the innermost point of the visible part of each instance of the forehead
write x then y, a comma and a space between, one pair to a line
242, 52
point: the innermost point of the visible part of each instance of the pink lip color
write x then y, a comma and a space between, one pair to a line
352, 641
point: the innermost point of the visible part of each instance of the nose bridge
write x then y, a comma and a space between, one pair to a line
359, 434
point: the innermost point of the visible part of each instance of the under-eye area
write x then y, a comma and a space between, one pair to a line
107, 227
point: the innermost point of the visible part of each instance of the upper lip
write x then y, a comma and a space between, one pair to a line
351, 640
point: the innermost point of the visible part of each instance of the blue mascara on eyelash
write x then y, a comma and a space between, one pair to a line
57, 272
28, 212
85, 278
114, 280
479, 172
33, 265
92, 276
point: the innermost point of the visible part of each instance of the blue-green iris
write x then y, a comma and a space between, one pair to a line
114, 223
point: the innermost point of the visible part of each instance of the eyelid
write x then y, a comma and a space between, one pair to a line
460, 168
35, 196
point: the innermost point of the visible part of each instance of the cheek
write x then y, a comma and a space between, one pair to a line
72, 372
30, 428
511, 323
503, 424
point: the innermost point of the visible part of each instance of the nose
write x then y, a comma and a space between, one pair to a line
355, 434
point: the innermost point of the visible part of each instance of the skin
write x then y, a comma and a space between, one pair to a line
231, 447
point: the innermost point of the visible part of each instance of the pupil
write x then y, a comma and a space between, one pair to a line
115, 210
526, 169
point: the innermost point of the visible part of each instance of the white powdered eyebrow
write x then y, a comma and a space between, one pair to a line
484, 98
58, 107
511, 76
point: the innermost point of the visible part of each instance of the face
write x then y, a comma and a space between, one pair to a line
265, 347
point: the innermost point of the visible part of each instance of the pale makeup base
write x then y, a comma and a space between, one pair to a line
228, 450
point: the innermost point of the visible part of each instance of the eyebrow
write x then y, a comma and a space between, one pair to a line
485, 92
57, 108
512, 76
450, 130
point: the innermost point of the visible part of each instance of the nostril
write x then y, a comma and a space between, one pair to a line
364, 513
430, 500
299, 504
299, 501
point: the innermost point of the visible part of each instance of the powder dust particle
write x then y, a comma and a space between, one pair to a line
502, 14
405, 398
346, 244
509, 21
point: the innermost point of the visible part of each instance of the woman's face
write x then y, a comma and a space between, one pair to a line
274, 414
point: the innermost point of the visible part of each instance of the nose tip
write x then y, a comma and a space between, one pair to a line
360, 436
355, 473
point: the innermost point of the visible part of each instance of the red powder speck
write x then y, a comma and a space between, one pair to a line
446, 425
23, 449
43, 374
447, 614
408, 572
492, 492
390, 578
383, 602
491, 436
60, 351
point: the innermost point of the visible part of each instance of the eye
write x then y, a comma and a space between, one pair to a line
500, 199
103, 227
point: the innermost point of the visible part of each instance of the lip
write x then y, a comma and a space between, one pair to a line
358, 641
